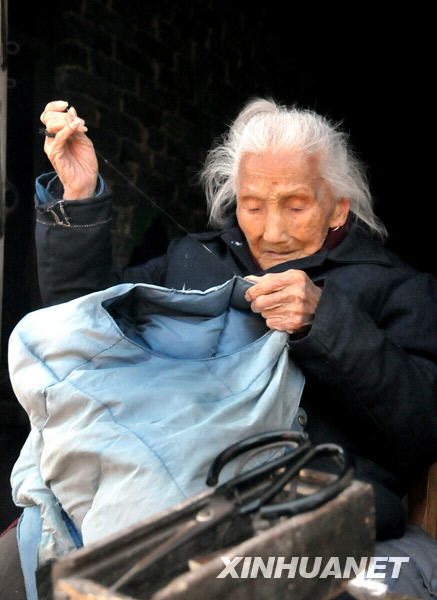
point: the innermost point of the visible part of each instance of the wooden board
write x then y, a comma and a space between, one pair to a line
344, 527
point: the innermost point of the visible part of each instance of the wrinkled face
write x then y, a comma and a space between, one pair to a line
284, 207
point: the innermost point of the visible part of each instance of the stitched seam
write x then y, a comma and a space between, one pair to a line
125, 427
223, 383
55, 376
271, 364
225, 324
69, 382
47, 368
81, 365
161, 356
60, 224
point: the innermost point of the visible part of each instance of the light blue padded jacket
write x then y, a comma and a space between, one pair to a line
131, 392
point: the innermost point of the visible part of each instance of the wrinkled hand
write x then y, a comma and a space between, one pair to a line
286, 300
71, 152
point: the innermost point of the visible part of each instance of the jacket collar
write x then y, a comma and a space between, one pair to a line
234, 239
356, 248
359, 247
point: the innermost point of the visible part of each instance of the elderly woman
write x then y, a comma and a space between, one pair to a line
293, 214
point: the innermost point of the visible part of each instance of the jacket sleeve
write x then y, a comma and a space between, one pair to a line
74, 251
386, 367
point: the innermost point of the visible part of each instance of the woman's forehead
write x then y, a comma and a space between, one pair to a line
290, 168
283, 164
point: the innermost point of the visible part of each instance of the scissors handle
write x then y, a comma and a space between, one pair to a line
254, 441
312, 501
221, 506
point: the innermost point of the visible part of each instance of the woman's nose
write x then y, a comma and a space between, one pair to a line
274, 229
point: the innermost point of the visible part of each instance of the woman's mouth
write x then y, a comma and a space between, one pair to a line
276, 253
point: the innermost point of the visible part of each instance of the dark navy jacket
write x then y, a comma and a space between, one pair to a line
370, 358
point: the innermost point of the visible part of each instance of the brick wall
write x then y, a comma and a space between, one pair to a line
156, 83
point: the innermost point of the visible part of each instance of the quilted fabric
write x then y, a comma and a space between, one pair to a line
131, 392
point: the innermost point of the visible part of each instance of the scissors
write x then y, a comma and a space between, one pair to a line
251, 491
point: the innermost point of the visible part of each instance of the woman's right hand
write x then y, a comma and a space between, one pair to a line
71, 152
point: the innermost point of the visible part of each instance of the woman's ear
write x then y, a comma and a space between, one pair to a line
341, 211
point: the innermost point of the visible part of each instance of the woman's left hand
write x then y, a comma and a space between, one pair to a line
287, 300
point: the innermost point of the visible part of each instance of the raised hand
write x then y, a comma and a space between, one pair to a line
71, 152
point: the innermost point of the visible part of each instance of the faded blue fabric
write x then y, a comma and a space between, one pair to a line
29, 531
28, 537
48, 189
131, 392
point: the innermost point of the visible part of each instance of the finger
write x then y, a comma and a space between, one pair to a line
289, 325
62, 136
265, 285
57, 106
272, 282
277, 324
295, 317
55, 121
58, 121
275, 312
279, 298
70, 117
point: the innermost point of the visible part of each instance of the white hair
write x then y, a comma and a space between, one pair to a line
263, 125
